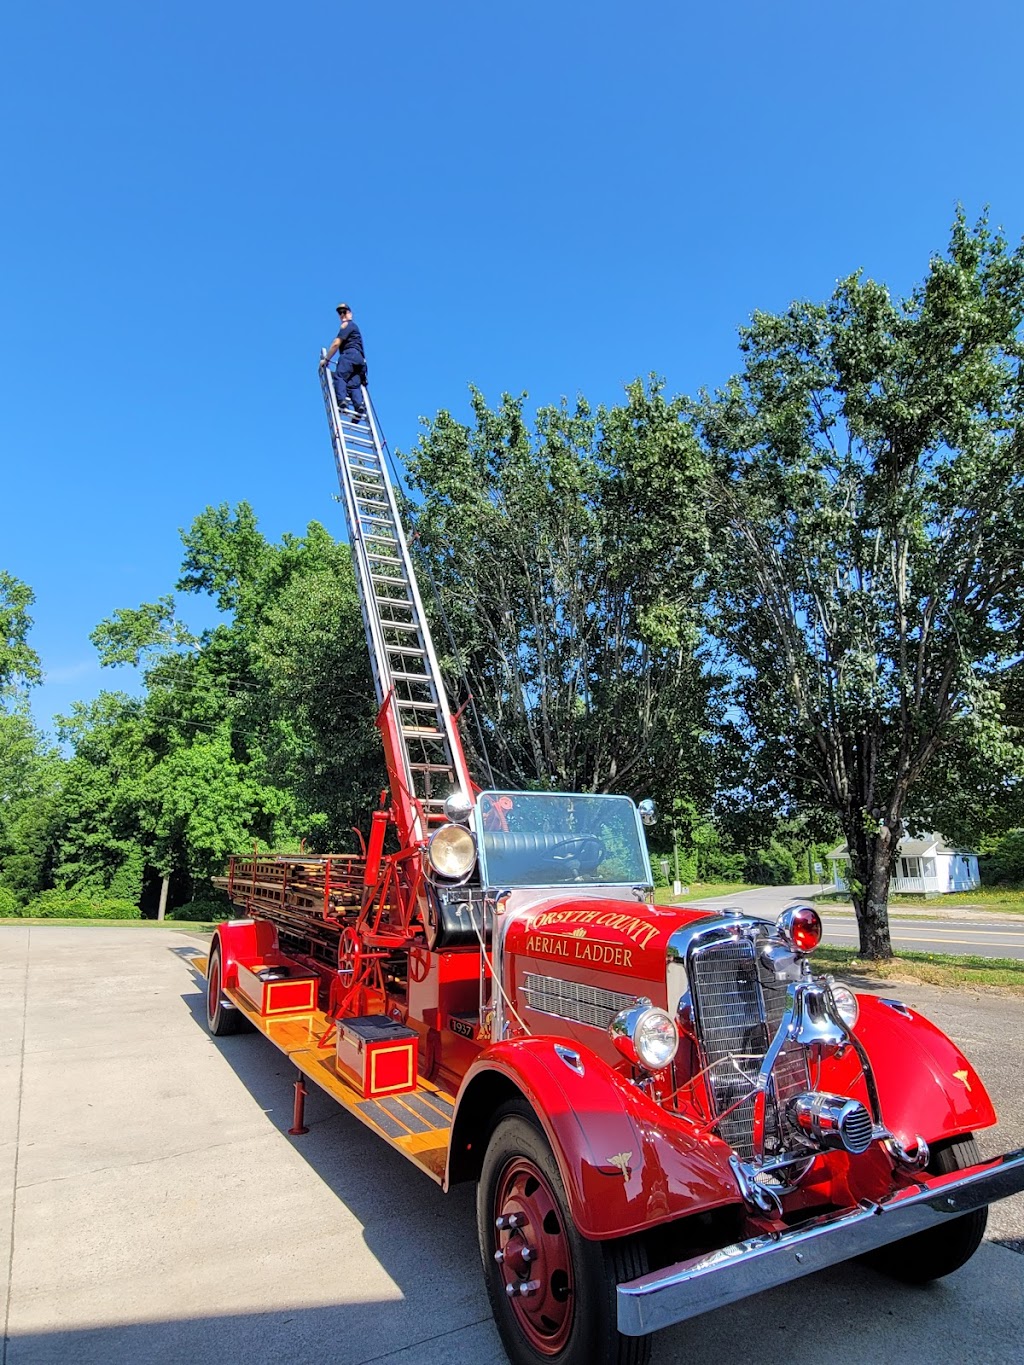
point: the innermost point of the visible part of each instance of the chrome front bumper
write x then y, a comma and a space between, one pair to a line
691, 1287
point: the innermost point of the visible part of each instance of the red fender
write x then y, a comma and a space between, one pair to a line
925, 1083
626, 1163
242, 940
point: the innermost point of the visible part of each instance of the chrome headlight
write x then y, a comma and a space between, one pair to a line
458, 808
645, 1035
451, 852
846, 1004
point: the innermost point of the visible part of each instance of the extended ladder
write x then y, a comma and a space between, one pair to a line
421, 742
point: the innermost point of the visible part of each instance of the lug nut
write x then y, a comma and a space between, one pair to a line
528, 1253
523, 1289
499, 1256
509, 1220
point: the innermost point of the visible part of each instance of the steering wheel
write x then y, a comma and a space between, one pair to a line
586, 849
418, 963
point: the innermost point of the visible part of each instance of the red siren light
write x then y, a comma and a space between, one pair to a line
800, 927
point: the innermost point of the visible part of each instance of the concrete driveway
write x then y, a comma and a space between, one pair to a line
153, 1208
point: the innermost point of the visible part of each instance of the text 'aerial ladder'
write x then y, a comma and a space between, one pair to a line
422, 747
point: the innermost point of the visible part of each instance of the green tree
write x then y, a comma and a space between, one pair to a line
575, 623
102, 820
29, 768
19, 663
866, 476
261, 729
31, 773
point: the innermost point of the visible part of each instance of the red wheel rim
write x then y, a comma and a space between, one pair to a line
534, 1256
350, 957
213, 990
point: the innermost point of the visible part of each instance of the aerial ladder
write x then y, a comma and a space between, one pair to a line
422, 747
356, 912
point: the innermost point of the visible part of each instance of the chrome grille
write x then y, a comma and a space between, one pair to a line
573, 1000
737, 1014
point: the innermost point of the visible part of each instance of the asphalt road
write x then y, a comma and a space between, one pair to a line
1002, 938
154, 1209
957, 930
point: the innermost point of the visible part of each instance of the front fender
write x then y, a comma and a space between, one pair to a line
626, 1163
926, 1086
242, 940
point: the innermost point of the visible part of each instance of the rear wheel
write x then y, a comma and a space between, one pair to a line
930, 1255
552, 1291
220, 1017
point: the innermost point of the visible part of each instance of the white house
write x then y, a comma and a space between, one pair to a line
925, 865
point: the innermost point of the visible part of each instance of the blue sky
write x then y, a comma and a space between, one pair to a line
551, 197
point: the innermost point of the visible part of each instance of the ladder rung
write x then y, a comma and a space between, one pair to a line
430, 767
386, 578
400, 625
419, 705
411, 677
417, 732
409, 651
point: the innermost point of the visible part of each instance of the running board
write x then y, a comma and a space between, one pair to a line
417, 1123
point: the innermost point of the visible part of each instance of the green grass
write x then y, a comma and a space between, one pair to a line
699, 891
934, 969
115, 923
1006, 898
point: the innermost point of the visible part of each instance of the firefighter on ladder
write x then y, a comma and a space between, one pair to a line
350, 371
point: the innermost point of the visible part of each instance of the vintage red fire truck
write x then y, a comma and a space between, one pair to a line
665, 1109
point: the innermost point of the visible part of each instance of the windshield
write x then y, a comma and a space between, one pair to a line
549, 839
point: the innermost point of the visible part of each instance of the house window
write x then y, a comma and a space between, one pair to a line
911, 867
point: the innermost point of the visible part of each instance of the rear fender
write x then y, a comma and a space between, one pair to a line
242, 940
926, 1086
626, 1163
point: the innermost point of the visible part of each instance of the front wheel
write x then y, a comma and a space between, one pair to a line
220, 1017
939, 1251
552, 1291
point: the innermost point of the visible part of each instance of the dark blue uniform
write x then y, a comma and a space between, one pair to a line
350, 370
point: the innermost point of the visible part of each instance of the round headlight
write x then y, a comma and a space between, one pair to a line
846, 1004
800, 927
451, 852
646, 1035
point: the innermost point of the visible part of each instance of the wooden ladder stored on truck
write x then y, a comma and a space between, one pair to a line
422, 747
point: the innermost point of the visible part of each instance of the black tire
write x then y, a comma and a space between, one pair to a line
930, 1255
519, 1170
221, 1019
